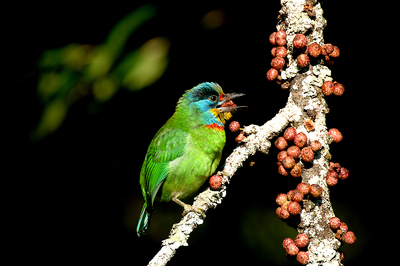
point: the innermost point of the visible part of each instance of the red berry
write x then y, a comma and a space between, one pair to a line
327, 88
272, 38
280, 51
336, 135
315, 190
273, 51
288, 162
343, 226
240, 137
335, 53
234, 126
303, 188
314, 49
315, 145
292, 249
287, 241
293, 151
303, 60
302, 257
338, 89
284, 213
343, 173
334, 166
215, 182
331, 178
290, 133
327, 49
272, 74
280, 37
296, 171
300, 140
339, 234
278, 211
350, 238
294, 208
297, 196
301, 240
278, 63
299, 41
282, 155
290, 194
282, 170
281, 198
307, 154
281, 143
334, 222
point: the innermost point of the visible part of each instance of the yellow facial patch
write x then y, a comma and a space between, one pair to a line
222, 117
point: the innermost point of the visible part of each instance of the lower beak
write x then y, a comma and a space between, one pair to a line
227, 105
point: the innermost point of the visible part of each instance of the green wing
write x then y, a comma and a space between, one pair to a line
167, 145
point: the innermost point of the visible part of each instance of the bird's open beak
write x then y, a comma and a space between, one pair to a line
226, 105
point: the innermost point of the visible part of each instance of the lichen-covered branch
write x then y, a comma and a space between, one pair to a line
305, 105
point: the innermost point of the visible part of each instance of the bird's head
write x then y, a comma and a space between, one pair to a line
209, 99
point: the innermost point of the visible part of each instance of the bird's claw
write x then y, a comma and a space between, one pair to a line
189, 208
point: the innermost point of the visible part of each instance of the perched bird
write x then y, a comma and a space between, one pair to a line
186, 150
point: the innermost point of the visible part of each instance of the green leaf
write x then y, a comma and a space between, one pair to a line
119, 35
148, 65
104, 88
52, 117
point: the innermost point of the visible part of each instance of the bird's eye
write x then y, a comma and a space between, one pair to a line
213, 98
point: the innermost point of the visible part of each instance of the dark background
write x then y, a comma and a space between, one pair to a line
78, 197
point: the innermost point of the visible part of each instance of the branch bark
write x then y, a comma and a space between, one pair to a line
305, 101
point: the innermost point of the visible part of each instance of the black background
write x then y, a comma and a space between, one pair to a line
77, 194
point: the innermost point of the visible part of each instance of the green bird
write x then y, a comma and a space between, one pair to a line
186, 150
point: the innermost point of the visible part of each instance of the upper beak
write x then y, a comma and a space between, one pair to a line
227, 105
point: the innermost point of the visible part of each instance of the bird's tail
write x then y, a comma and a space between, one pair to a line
144, 220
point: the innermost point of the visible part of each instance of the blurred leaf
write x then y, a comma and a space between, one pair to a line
52, 117
100, 63
104, 88
147, 65
119, 35
54, 83
105, 55
77, 56
50, 83
79, 70
213, 19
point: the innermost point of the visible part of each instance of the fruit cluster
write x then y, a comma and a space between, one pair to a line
336, 172
279, 53
342, 231
234, 126
293, 247
288, 159
290, 203
305, 54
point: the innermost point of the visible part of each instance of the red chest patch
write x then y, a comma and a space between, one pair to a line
215, 126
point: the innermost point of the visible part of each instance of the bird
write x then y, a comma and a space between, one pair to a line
186, 150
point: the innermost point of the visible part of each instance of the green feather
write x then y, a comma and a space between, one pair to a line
184, 152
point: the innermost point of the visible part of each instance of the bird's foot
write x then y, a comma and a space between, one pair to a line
189, 208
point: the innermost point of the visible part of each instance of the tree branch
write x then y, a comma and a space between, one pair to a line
305, 101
